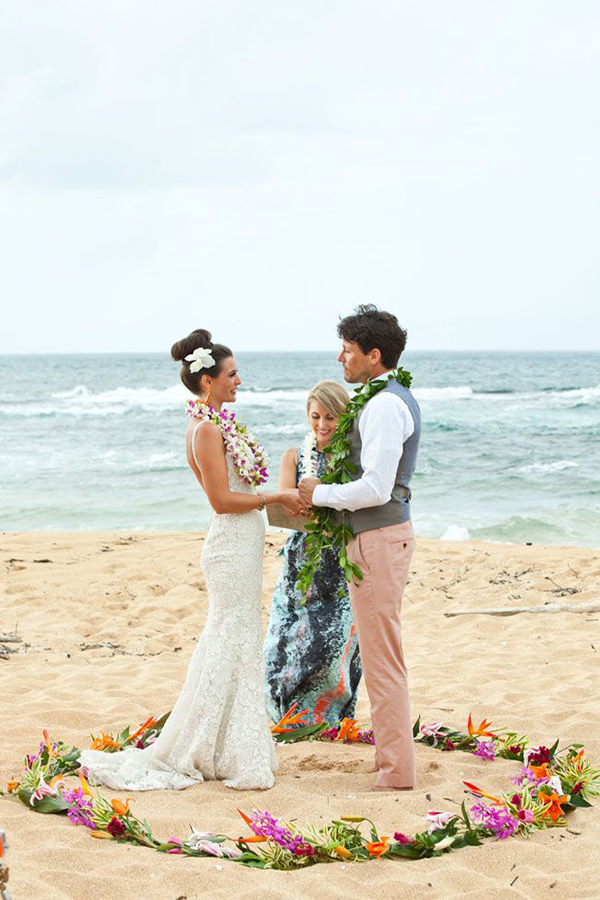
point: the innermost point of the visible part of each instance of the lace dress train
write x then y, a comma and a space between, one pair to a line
218, 728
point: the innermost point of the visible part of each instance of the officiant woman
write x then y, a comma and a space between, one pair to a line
311, 650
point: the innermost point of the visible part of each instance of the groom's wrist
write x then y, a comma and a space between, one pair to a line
319, 497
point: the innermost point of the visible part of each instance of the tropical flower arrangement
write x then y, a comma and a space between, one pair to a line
249, 457
328, 528
550, 784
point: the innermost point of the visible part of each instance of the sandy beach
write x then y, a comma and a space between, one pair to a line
108, 621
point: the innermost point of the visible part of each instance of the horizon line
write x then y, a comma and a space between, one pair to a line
280, 352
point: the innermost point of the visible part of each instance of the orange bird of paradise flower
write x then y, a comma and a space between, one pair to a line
290, 719
84, 785
577, 759
480, 730
104, 742
48, 744
146, 725
480, 793
378, 848
256, 838
554, 808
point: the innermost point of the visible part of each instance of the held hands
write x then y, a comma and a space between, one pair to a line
306, 489
294, 505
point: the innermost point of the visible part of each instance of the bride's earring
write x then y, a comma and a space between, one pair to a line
207, 401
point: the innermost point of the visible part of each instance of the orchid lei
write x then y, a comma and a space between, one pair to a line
249, 457
310, 456
324, 529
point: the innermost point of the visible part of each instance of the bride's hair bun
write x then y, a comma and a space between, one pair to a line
199, 338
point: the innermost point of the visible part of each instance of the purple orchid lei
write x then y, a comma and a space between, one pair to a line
249, 457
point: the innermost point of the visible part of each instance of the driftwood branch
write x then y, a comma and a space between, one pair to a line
516, 610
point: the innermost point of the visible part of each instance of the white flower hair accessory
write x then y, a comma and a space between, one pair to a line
200, 359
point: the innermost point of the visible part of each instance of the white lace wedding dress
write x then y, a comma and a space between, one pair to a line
218, 728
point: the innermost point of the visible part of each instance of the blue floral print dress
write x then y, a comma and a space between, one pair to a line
311, 651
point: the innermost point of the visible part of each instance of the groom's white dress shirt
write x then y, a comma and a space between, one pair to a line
385, 424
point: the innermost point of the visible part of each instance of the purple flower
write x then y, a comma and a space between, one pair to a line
80, 809
485, 750
497, 820
266, 825
526, 775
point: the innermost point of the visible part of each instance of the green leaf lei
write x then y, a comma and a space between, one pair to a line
324, 532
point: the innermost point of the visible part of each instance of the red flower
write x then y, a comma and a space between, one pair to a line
448, 744
540, 756
516, 800
402, 838
115, 827
577, 787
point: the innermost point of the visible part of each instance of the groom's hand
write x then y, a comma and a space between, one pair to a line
306, 489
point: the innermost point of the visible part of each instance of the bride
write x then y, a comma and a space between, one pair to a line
218, 728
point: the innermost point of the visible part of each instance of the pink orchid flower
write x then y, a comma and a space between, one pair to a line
438, 819
216, 849
46, 790
525, 815
433, 731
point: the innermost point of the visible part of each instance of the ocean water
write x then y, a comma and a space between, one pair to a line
509, 451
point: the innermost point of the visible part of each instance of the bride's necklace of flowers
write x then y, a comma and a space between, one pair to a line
325, 531
249, 457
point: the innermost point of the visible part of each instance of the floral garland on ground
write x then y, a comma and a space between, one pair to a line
324, 529
550, 784
249, 457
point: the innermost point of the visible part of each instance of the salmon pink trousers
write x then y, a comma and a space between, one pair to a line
384, 556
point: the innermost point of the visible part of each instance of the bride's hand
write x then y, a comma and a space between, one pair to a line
293, 505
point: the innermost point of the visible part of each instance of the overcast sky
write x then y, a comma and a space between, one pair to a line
258, 168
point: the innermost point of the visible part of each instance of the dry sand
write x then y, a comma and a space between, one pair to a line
109, 621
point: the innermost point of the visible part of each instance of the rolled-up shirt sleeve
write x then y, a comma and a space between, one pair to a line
384, 426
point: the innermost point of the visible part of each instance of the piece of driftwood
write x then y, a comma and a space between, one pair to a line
516, 610
10, 639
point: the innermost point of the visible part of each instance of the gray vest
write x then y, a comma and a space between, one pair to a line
397, 509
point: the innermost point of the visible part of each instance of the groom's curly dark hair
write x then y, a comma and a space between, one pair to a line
371, 329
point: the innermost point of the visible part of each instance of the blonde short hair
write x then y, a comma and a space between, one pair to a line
331, 395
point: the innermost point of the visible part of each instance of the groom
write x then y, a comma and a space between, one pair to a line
383, 449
